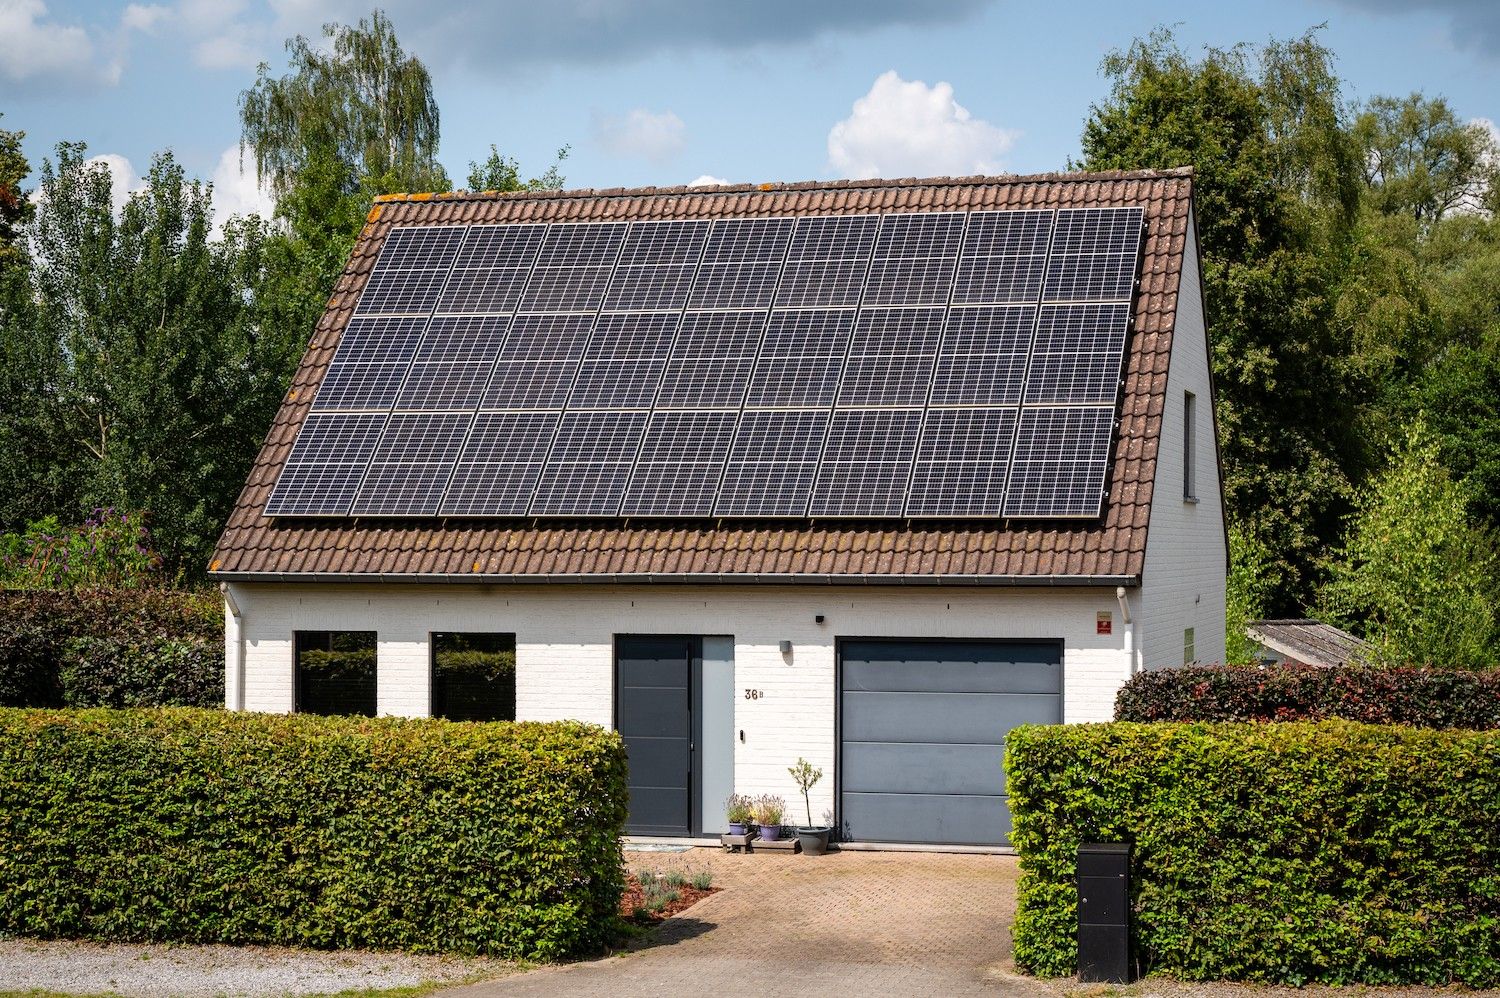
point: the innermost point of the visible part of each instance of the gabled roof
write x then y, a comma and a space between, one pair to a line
1110, 550
1310, 642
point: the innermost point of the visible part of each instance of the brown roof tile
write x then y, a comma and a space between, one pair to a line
1111, 547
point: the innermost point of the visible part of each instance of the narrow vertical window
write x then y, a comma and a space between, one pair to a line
1189, 445
1189, 653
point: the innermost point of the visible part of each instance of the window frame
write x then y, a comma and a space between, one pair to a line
1189, 447
432, 671
303, 640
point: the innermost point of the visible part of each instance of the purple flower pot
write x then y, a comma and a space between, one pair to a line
770, 833
736, 828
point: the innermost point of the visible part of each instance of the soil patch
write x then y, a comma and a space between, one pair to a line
634, 902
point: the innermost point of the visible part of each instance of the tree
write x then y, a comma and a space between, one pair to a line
503, 174
1416, 573
363, 103
1277, 187
1421, 160
15, 206
150, 378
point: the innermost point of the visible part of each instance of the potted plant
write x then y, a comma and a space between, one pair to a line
814, 838
768, 811
739, 810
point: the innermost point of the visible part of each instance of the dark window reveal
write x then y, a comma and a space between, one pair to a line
336, 672
474, 677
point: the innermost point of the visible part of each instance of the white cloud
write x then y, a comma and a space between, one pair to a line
236, 191
227, 51
124, 181
642, 133
143, 17
905, 128
34, 47
708, 180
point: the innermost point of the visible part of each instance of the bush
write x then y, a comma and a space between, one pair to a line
1429, 698
208, 826
110, 648
1279, 853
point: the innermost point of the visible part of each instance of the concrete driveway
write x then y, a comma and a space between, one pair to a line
848, 923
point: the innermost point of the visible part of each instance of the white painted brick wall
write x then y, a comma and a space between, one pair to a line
1184, 579
565, 635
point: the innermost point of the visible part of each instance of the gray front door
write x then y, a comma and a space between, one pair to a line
653, 713
922, 733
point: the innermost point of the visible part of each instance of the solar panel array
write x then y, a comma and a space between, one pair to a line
905, 365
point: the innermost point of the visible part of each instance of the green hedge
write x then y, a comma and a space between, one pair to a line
208, 826
1428, 698
1286, 853
111, 648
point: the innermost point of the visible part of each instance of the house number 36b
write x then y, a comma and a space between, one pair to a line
754, 694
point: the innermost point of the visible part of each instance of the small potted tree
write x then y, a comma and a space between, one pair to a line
768, 811
739, 811
813, 838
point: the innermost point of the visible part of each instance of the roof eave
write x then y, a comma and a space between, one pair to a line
655, 578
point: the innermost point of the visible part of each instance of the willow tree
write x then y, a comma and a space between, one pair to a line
363, 103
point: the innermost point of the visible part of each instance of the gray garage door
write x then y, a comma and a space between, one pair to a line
922, 729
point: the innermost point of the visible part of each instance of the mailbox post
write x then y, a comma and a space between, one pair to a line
1104, 912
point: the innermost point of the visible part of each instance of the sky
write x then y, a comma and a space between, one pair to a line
671, 92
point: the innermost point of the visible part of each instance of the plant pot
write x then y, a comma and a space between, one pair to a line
814, 840
769, 833
736, 828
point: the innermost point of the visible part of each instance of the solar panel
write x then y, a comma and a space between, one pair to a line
962, 457
501, 461
866, 463
681, 460
711, 360
453, 364
801, 357
772, 463
890, 357
326, 464
920, 364
589, 464
498, 470
411, 465
1059, 464
982, 360
1077, 354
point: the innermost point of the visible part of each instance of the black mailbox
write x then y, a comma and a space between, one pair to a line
1104, 912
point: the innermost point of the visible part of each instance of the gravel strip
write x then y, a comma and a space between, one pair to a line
159, 971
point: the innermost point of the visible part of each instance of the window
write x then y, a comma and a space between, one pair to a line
474, 677
335, 672
1189, 445
1189, 653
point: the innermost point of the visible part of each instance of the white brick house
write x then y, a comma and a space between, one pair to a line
891, 652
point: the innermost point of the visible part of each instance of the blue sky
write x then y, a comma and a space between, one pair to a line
665, 92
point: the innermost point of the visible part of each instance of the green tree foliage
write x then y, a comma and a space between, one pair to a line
503, 174
1421, 160
1277, 190
15, 206
148, 374
1416, 574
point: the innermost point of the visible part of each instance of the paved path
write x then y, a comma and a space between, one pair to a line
846, 923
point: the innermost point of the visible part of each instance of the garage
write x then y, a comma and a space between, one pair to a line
922, 726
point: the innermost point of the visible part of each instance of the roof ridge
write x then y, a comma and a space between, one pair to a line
977, 180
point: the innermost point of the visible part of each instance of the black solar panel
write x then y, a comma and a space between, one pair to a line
681, 461
866, 463
589, 463
410, 467
962, 458
1059, 464
772, 463
913, 364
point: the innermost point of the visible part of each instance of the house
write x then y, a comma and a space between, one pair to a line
864, 473
1307, 642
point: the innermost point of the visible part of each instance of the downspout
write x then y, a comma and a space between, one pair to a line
1128, 636
234, 649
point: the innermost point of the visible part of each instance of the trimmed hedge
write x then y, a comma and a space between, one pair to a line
1429, 698
209, 826
1279, 853
111, 648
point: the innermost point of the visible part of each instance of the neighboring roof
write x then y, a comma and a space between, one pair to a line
1310, 642
1110, 550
